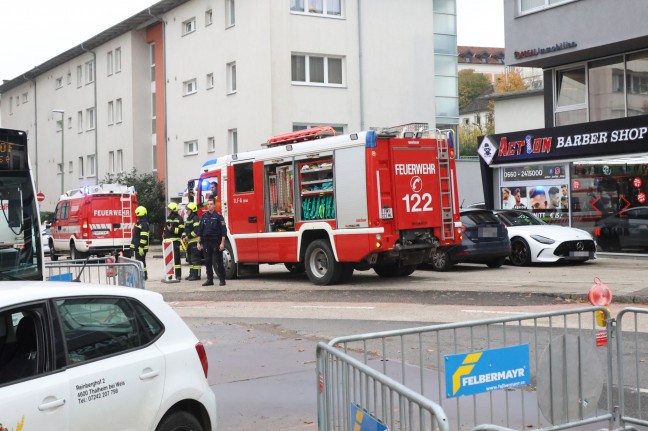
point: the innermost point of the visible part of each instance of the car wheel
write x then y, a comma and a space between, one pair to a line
496, 263
53, 255
229, 263
180, 421
76, 254
295, 267
441, 261
321, 267
520, 253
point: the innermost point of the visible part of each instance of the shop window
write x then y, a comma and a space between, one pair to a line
637, 83
603, 80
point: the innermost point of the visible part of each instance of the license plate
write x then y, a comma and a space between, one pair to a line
386, 213
100, 232
579, 253
487, 232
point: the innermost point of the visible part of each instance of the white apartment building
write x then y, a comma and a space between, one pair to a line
183, 82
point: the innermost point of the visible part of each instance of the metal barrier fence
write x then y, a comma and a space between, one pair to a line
350, 390
125, 272
564, 379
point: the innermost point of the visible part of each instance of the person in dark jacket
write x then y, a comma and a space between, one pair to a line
173, 232
140, 241
190, 238
212, 232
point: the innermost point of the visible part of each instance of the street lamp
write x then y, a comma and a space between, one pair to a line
62, 112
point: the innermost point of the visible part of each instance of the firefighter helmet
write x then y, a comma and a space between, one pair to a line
140, 211
173, 207
192, 207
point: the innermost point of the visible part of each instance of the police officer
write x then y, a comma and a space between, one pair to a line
140, 241
190, 238
211, 237
173, 232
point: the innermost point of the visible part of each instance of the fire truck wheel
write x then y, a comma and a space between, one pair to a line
394, 270
347, 272
441, 261
76, 254
53, 255
228, 261
406, 270
321, 267
295, 267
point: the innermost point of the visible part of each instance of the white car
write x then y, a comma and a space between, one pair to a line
533, 240
81, 357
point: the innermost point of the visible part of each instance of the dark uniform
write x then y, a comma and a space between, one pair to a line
140, 241
191, 235
173, 232
212, 230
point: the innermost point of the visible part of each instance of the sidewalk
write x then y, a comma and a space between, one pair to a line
626, 276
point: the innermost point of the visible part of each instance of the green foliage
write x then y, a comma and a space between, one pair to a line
468, 133
471, 85
150, 192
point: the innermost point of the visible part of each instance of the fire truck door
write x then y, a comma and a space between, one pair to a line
351, 188
244, 216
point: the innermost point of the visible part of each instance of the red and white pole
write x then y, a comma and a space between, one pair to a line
169, 262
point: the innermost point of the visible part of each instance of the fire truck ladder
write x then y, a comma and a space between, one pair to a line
443, 137
127, 211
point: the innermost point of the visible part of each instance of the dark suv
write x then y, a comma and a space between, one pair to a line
485, 240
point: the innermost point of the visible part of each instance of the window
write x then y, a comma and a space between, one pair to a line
59, 167
118, 111
210, 81
189, 87
90, 72
69, 126
59, 83
232, 141
571, 96
191, 147
120, 161
11, 105
317, 7
243, 178
230, 13
79, 76
152, 57
90, 115
117, 60
59, 125
313, 69
231, 78
109, 63
153, 114
637, 83
604, 77
69, 78
211, 144
208, 18
111, 161
111, 112
24, 97
189, 26
536, 5
70, 166
79, 121
339, 129
91, 165
21, 334
154, 157
81, 167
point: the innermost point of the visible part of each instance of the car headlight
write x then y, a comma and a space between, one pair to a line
543, 239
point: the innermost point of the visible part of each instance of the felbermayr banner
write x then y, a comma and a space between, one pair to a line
487, 370
599, 138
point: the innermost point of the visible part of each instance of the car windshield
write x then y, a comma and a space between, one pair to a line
519, 218
20, 239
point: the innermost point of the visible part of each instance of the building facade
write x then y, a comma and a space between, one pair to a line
183, 82
593, 147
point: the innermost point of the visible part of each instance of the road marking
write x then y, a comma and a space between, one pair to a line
334, 307
496, 312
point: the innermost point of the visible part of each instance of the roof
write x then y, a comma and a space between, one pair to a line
140, 20
475, 54
478, 104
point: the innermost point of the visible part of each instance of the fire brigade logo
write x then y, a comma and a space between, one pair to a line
416, 183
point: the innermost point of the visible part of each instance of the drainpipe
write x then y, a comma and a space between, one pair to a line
35, 132
360, 82
164, 76
96, 109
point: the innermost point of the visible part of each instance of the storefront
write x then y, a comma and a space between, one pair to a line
592, 176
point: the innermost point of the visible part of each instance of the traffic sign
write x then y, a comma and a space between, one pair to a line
40, 196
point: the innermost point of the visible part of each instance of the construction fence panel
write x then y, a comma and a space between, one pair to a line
104, 271
354, 396
558, 372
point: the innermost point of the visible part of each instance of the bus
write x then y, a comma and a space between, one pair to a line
21, 251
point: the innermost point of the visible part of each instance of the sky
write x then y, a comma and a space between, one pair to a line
33, 31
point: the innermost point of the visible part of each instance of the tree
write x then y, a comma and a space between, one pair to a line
468, 133
471, 86
150, 192
509, 82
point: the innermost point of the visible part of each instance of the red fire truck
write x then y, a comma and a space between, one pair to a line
329, 205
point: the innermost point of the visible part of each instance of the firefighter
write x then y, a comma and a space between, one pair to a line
140, 241
212, 232
190, 238
173, 232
